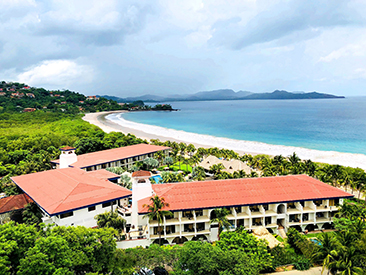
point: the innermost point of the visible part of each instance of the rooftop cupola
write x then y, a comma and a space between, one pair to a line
67, 156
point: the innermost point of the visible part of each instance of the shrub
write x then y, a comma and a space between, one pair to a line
303, 264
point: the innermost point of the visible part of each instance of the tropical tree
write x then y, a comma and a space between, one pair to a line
125, 181
220, 217
156, 211
111, 219
191, 149
159, 156
216, 168
168, 161
198, 173
151, 163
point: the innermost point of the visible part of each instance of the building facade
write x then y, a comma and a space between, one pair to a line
118, 157
276, 203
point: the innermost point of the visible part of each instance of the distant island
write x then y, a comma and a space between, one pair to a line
225, 94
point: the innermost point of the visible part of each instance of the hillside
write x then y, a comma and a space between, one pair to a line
227, 94
19, 97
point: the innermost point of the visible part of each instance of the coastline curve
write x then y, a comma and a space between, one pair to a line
242, 146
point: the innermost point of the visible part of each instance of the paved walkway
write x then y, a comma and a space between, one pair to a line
311, 271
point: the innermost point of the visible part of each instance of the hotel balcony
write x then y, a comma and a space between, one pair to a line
172, 234
206, 231
230, 217
242, 215
323, 208
307, 209
186, 219
171, 221
323, 219
270, 213
293, 210
202, 219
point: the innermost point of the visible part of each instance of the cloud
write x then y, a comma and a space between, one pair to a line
59, 73
92, 22
283, 19
348, 50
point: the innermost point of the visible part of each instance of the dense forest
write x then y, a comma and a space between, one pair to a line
18, 97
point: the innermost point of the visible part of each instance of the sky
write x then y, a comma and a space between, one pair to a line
131, 48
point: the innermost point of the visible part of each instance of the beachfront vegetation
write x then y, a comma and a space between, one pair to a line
348, 178
29, 141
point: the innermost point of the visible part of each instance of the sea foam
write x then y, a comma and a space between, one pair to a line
331, 157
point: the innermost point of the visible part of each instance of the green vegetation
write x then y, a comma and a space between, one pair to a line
29, 141
30, 250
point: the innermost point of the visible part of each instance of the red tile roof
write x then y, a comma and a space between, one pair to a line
67, 148
62, 190
236, 192
14, 203
95, 158
141, 173
103, 174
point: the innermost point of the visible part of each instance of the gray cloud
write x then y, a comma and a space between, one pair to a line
134, 47
287, 18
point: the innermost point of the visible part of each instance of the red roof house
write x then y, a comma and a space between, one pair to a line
15, 202
62, 190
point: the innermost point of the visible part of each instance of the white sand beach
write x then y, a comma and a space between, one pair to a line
111, 121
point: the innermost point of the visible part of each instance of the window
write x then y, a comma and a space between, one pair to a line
88, 169
187, 214
104, 205
238, 210
104, 165
265, 206
65, 215
200, 226
91, 208
199, 213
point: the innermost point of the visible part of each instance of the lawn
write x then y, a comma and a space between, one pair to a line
183, 167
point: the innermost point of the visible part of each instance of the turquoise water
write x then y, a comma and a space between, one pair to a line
157, 178
325, 124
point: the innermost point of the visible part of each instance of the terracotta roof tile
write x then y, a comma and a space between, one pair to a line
141, 173
248, 191
62, 190
67, 148
103, 174
105, 156
14, 203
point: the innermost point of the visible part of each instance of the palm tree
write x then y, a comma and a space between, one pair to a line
111, 219
216, 168
191, 149
156, 212
220, 217
125, 181
294, 159
198, 173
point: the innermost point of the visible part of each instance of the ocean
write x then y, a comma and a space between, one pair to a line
266, 126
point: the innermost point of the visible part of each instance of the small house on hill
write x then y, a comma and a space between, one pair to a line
9, 205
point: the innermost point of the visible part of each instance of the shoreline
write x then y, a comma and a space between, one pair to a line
206, 141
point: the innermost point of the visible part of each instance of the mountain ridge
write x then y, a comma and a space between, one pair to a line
227, 94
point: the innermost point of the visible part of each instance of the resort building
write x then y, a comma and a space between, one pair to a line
82, 188
276, 203
118, 157
71, 196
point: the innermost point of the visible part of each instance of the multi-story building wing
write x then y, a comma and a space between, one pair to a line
117, 157
275, 203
